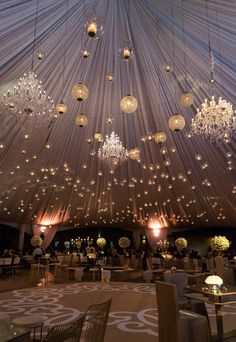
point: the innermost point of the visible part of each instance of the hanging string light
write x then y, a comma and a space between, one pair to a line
186, 99
80, 91
128, 103
176, 121
159, 137
62, 107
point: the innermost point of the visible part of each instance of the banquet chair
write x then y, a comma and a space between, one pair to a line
176, 325
69, 332
181, 281
195, 305
7, 266
96, 317
155, 262
219, 266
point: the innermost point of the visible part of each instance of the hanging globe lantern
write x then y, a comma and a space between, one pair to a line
176, 122
129, 104
61, 108
160, 137
80, 92
186, 99
134, 154
98, 136
81, 120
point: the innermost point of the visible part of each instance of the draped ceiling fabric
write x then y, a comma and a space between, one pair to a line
66, 183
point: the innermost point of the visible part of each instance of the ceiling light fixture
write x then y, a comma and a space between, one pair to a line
176, 122
93, 28
112, 151
215, 120
128, 104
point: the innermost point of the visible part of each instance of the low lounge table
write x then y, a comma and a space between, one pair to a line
32, 322
226, 295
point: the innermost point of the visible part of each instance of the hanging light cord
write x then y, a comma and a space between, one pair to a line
184, 41
173, 48
35, 30
210, 53
65, 46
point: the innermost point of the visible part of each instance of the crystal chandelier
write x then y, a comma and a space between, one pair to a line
216, 121
112, 152
28, 102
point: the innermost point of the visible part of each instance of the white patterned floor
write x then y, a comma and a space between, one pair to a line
133, 315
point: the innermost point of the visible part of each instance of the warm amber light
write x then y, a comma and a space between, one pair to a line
126, 53
92, 29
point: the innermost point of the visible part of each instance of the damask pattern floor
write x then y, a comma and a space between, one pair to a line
133, 314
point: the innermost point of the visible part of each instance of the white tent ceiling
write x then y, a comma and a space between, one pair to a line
55, 176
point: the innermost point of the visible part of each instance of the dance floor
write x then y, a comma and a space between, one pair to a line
133, 314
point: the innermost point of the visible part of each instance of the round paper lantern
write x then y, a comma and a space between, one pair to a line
176, 122
186, 99
81, 120
61, 108
160, 137
134, 154
80, 92
129, 104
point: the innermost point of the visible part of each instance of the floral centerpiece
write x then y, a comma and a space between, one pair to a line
214, 282
101, 242
78, 243
221, 243
181, 243
67, 244
36, 241
124, 242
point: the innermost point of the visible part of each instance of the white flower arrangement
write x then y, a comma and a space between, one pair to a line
36, 241
67, 244
221, 243
78, 243
181, 243
124, 242
101, 242
214, 280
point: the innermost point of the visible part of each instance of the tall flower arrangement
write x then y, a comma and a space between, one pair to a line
101, 242
36, 241
124, 242
221, 243
181, 243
